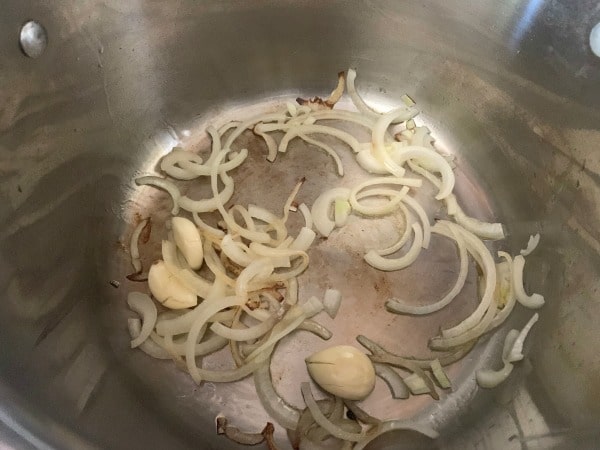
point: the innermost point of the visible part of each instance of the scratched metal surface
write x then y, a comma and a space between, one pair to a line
510, 87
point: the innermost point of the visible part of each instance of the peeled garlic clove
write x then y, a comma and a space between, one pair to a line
188, 240
167, 289
343, 371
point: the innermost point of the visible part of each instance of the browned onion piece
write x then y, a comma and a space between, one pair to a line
318, 103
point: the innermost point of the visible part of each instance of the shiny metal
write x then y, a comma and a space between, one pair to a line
33, 39
511, 87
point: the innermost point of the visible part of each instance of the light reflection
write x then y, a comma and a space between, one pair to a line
532, 9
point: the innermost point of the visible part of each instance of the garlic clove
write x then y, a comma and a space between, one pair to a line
343, 371
168, 290
188, 240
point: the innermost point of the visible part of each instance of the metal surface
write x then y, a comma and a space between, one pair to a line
511, 87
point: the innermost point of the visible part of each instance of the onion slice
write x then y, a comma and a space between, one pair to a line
323, 421
134, 325
399, 307
516, 352
533, 301
321, 209
145, 307
284, 414
394, 381
532, 244
374, 259
133, 246
165, 185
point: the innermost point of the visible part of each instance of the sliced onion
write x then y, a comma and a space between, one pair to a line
422, 215
323, 421
381, 355
145, 307
292, 291
250, 123
433, 159
133, 246
209, 308
389, 264
360, 104
504, 287
284, 414
165, 185
367, 160
440, 376
308, 222
327, 149
169, 164
394, 200
341, 212
532, 301
484, 258
175, 349
393, 380
237, 252
516, 352
304, 240
290, 200
336, 114
445, 343
315, 328
397, 306
295, 316
294, 131
321, 209
258, 270
244, 334
332, 301
213, 233
270, 142
403, 239
532, 244
361, 414
487, 378
209, 204
416, 384
484, 230
149, 347
378, 140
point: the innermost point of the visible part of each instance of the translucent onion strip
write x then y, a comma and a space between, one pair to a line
321, 209
133, 246
433, 159
149, 347
165, 185
323, 421
363, 107
285, 414
389, 264
403, 239
400, 307
533, 301
393, 380
243, 334
422, 215
516, 352
143, 305
532, 244
484, 230
209, 204
484, 258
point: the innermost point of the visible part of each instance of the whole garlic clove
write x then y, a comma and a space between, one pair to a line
188, 240
168, 290
343, 371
